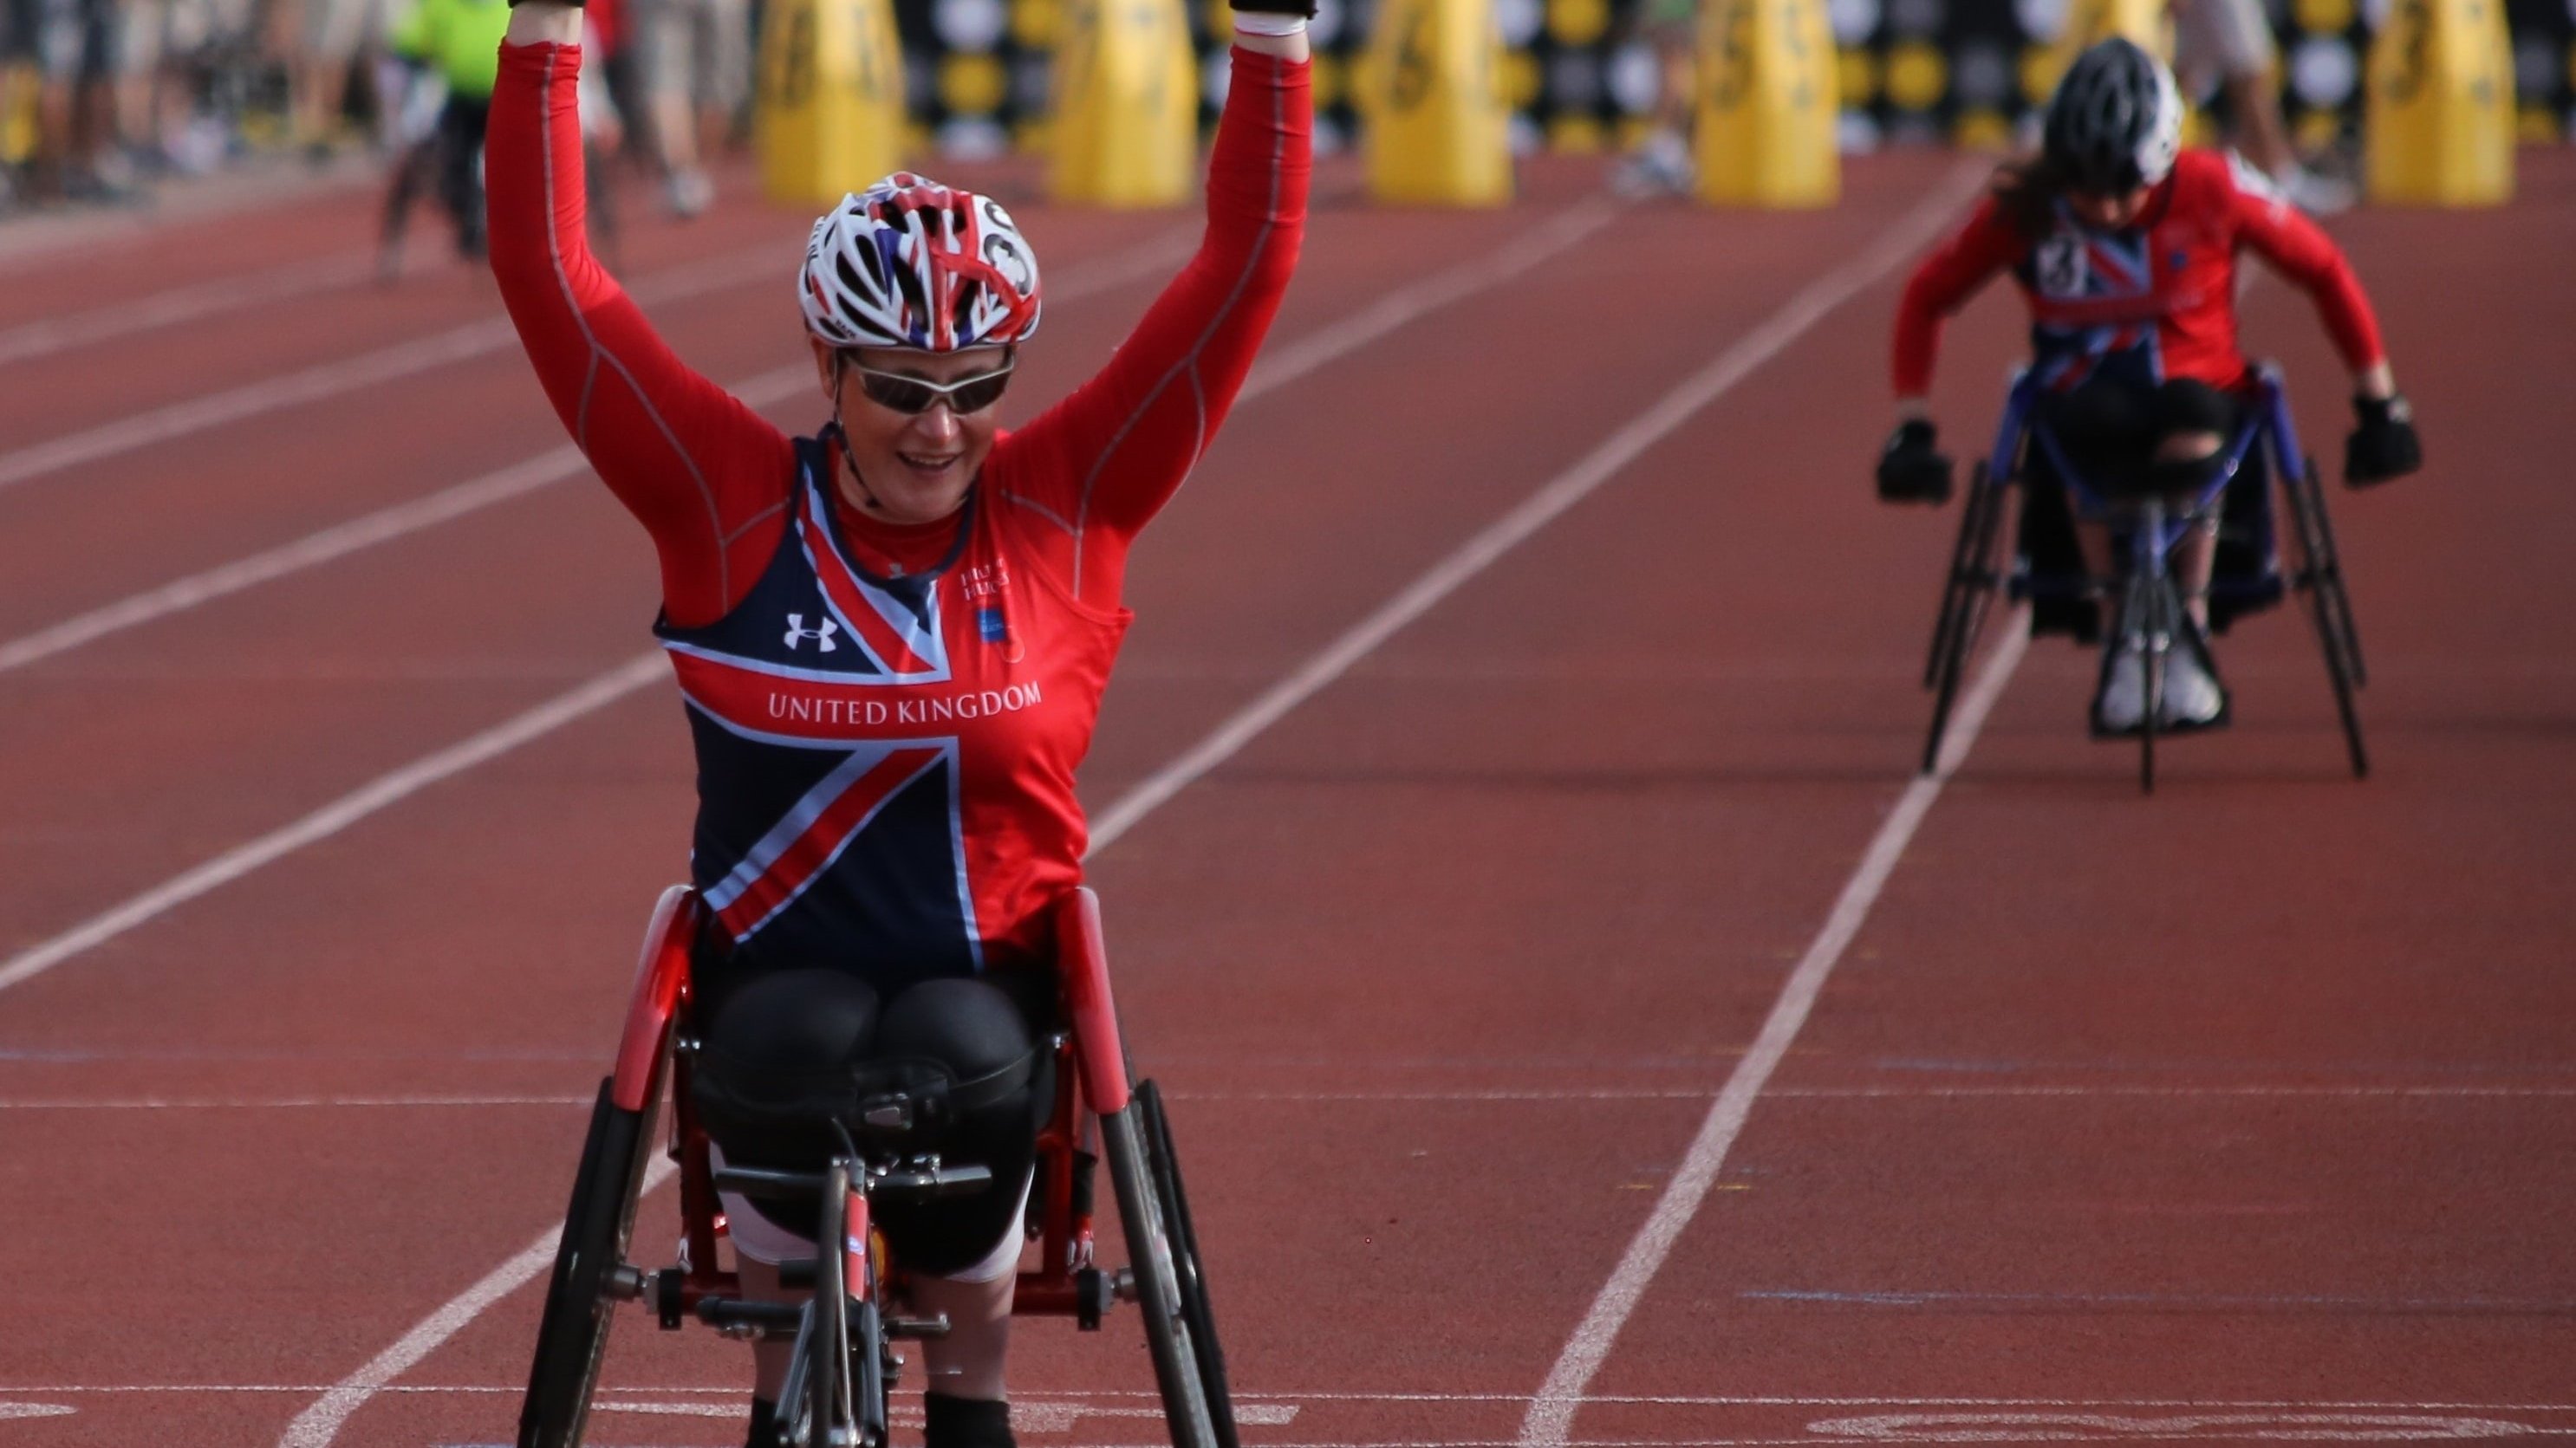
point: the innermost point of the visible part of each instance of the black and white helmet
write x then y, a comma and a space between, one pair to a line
2115, 123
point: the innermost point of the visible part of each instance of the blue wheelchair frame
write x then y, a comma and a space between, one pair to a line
2150, 613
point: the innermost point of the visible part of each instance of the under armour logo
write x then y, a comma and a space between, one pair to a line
822, 637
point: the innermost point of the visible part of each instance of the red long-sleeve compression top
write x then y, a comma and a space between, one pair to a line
2161, 293
888, 719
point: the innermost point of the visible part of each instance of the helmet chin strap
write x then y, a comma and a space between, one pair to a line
849, 458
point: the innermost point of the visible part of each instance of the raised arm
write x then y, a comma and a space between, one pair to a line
706, 475
1103, 461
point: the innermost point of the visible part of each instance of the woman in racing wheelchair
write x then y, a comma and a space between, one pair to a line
892, 637
2125, 249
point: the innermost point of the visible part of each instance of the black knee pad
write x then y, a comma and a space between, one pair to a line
2187, 404
774, 1068
999, 1085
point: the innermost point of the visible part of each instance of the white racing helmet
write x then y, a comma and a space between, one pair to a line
911, 263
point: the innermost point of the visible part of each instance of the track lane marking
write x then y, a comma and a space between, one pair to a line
44, 336
370, 798
346, 374
1270, 1395
1551, 1414
1552, 499
1550, 1419
1536, 1095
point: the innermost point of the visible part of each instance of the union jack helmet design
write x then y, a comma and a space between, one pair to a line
911, 263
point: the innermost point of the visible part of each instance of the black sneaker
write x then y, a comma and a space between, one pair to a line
965, 1422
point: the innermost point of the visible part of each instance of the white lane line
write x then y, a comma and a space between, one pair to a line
347, 374
1551, 1413
547, 468
1535, 1095
334, 817
1296, 358
1266, 1395
1488, 544
48, 335
285, 1103
1542, 507
320, 1421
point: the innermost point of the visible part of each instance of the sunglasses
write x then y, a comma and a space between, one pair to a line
914, 395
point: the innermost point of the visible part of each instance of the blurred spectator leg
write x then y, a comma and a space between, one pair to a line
669, 41
460, 152
318, 82
144, 92
1660, 165
2226, 46
603, 135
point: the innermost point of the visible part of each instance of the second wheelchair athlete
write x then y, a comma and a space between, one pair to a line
2125, 248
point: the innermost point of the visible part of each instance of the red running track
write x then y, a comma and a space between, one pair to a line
2232, 1115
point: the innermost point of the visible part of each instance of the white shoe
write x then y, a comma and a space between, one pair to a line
2192, 697
1659, 167
2318, 195
2123, 703
689, 193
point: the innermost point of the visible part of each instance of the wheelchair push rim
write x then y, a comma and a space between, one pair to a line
1170, 1287
599, 1223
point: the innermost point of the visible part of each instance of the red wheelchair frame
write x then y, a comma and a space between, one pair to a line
1097, 1105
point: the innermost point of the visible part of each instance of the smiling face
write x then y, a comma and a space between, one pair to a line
912, 467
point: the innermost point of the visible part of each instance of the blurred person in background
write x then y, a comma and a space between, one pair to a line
65, 51
151, 95
453, 52
335, 35
2224, 48
694, 59
2125, 247
1660, 164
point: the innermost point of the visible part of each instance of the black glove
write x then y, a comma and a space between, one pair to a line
2384, 446
1911, 470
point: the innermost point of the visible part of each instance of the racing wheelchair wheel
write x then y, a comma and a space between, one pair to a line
1970, 587
573, 1336
2330, 608
1170, 1288
1206, 1347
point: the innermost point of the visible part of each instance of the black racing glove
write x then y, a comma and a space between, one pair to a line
1912, 470
2384, 446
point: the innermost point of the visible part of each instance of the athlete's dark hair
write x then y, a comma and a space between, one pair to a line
2027, 190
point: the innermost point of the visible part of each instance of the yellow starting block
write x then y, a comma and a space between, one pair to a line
2438, 122
829, 114
1126, 104
1435, 128
1768, 103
